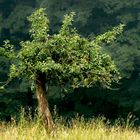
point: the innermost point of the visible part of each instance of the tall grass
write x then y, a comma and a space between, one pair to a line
76, 129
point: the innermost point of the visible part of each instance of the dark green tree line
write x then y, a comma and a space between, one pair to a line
92, 18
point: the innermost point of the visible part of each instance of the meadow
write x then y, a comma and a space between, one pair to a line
76, 129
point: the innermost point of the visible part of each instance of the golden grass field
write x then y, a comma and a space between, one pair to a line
77, 129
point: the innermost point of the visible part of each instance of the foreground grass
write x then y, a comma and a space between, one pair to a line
77, 129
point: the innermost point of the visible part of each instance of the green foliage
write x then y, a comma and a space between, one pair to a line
95, 17
67, 23
66, 58
92, 17
39, 26
110, 35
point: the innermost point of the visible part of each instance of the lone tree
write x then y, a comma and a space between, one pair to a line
63, 59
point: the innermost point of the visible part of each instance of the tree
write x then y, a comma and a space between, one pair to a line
96, 17
65, 59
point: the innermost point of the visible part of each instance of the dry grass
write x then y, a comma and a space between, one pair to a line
78, 129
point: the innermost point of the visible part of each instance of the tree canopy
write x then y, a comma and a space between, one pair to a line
67, 57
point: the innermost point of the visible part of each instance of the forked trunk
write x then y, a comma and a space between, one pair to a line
43, 102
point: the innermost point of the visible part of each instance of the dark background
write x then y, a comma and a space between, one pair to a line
93, 17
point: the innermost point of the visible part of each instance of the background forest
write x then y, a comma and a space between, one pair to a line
92, 17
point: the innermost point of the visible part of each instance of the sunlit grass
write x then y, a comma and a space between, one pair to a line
76, 129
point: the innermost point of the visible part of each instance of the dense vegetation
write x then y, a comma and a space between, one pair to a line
92, 18
66, 60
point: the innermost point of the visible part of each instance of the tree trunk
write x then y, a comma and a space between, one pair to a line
43, 102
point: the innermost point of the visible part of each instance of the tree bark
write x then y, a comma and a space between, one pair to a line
43, 102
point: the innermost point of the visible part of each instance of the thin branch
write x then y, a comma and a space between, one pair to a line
6, 83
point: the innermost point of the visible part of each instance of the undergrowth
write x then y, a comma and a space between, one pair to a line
75, 129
